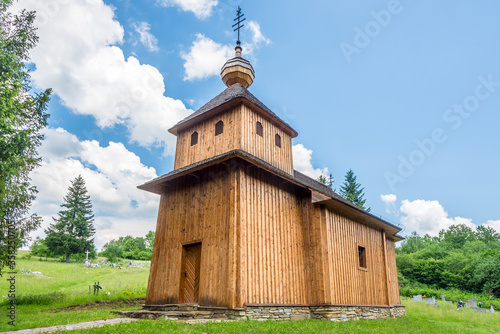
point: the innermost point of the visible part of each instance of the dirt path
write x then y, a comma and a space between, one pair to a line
80, 325
102, 304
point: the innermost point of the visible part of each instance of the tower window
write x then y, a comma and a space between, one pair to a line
277, 140
362, 257
219, 128
194, 138
259, 129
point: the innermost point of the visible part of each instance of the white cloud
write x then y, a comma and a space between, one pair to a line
257, 39
77, 56
390, 203
206, 57
495, 224
146, 38
201, 8
112, 175
302, 161
428, 217
388, 199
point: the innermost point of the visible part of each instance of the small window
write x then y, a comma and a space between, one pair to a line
194, 138
362, 257
277, 140
259, 129
219, 128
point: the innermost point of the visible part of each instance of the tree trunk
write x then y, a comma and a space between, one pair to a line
67, 257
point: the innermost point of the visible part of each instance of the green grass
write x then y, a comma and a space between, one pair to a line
420, 319
71, 281
40, 309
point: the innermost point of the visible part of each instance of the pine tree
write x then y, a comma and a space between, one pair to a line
72, 232
352, 191
327, 181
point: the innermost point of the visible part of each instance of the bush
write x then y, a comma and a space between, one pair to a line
452, 294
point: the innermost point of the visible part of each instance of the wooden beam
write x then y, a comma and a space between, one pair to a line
387, 285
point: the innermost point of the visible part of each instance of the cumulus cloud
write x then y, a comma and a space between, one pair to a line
302, 161
390, 203
257, 38
201, 8
206, 57
77, 55
428, 217
495, 224
145, 37
112, 175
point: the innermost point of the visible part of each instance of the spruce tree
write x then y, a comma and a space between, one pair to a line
72, 232
327, 181
352, 191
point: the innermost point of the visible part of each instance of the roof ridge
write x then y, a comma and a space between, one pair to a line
233, 92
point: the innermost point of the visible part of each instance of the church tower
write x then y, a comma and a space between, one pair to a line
234, 120
239, 230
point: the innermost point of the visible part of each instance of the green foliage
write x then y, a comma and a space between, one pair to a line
22, 117
150, 240
72, 232
459, 258
352, 191
129, 247
39, 248
327, 181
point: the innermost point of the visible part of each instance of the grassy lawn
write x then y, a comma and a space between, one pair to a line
44, 298
50, 300
419, 319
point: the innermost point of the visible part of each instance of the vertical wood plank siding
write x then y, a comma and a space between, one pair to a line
264, 242
239, 133
348, 283
193, 210
264, 147
393, 273
275, 238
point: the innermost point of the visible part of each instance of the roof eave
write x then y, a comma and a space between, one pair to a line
227, 105
157, 185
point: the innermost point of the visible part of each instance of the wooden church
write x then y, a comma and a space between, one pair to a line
241, 232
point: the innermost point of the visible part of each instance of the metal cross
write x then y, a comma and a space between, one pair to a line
238, 24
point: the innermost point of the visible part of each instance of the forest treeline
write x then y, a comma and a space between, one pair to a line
459, 258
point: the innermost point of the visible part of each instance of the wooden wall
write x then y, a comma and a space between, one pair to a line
393, 273
264, 147
264, 242
193, 209
209, 144
239, 133
274, 230
343, 281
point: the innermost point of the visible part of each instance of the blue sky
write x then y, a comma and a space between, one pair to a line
406, 93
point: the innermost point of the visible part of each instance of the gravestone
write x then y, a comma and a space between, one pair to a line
86, 265
417, 298
472, 303
431, 301
443, 297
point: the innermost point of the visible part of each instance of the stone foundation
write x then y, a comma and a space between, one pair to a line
268, 312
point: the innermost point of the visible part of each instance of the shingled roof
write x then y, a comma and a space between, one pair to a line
331, 198
233, 94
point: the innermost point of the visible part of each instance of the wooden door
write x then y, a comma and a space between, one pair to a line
190, 273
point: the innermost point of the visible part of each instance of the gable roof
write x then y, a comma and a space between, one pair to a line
328, 197
229, 97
